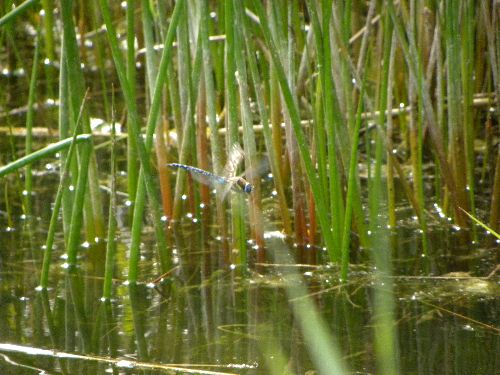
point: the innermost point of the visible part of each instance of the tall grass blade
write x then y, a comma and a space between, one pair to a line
28, 182
323, 217
16, 12
251, 162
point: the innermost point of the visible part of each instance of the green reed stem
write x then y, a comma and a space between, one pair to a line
232, 137
318, 195
385, 331
64, 118
416, 129
211, 95
145, 175
251, 163
454, 95
17, 11
353, 166
94, 222
42, 153
132, 162
391, 193
467, 74
268, 140
411, 57
151, 74
494, 219
335, 186
188, 81
323, 349
78, 203
28, 182
49, 47
111, 242
384, 90
63, 183
188, 128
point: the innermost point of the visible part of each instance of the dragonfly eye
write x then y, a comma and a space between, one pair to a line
248, 188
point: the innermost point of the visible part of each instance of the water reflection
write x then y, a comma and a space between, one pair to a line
225, 322
230, 320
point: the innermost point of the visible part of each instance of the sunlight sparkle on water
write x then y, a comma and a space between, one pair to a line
468, 327
274, 234
124, 364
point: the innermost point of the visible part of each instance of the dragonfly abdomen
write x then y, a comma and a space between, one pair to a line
235, 183
209, 175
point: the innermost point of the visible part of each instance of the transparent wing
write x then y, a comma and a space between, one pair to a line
239, 184
209, 179
234, 158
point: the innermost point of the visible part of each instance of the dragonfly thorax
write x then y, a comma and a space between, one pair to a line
244, 185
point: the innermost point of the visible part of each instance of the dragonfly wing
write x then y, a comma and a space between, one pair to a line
209, 179
233, 160
256, 170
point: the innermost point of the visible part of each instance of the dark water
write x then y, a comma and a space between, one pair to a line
226, 320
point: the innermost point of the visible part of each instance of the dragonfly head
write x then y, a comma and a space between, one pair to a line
247, 188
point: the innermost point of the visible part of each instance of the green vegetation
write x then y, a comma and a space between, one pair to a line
353, 106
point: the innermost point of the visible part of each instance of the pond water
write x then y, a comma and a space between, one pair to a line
204, 318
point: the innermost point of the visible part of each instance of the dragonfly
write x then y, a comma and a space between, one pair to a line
227, 180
